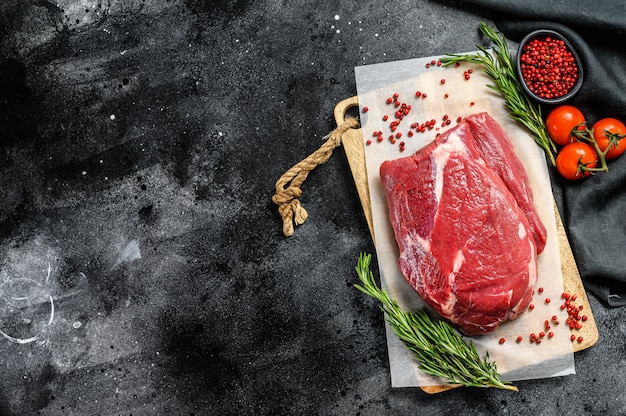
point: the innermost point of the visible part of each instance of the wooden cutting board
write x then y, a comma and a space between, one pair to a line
352, 142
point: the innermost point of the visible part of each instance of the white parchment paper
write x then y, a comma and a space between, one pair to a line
375, 83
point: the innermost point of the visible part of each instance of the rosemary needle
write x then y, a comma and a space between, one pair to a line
498, 65
439, 349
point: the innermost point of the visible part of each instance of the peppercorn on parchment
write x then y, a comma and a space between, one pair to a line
458, 92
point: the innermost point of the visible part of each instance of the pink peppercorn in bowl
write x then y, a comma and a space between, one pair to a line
549, 68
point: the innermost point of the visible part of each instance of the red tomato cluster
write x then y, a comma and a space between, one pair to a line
582, 149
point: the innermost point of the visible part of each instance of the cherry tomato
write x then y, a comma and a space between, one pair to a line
617, 129
561, 121
571, 155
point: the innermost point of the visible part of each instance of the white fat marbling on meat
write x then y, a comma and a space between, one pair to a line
413, 239
521, 231
459, 259
448, 307
440, 156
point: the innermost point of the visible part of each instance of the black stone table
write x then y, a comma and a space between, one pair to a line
143, 267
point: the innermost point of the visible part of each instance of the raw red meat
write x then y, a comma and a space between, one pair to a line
465, 240
497, 151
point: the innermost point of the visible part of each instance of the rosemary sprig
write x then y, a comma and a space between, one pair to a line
498, 65
440, 351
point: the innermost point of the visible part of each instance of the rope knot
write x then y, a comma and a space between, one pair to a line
286, 196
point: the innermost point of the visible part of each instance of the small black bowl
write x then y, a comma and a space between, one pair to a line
572, 90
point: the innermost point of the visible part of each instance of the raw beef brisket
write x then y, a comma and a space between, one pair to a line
465, 226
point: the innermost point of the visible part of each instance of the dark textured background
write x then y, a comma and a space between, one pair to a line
140, 144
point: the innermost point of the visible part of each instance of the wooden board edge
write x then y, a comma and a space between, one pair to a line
573, 284
352, 141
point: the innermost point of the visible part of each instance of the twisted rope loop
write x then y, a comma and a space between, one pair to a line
288, 186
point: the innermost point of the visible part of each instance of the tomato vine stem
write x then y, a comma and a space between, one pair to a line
587, 135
